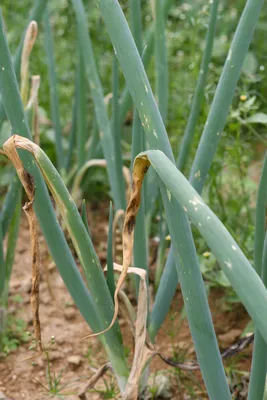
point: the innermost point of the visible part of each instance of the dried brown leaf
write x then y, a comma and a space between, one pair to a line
27, 181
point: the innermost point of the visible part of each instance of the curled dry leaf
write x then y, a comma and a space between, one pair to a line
141, 166
33, 103
140, 351
29, 40
28, 183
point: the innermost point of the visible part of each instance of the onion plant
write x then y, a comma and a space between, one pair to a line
98, 297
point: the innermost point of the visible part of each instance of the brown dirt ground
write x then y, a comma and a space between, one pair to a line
77, 357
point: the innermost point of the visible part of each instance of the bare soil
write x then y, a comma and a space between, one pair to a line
78, 358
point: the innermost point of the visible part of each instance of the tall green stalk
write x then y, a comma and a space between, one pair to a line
54, 102
198, 98
162, 90
197, 310
103, 122
81, 136
116, 127
110, 270
162, 75
140, 238
126, 101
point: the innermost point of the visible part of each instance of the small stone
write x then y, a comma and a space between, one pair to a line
231, 336
74, 361
70, 313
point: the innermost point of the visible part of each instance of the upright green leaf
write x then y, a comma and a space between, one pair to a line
140, 238
103, 122
116, 127
54, 103
162, 74
200, 87
110, 270
81, 136
125, 102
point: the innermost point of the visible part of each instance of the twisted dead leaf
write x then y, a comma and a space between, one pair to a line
29, 40
27, 181
141, 166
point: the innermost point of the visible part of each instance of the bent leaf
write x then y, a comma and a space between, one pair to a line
235, 265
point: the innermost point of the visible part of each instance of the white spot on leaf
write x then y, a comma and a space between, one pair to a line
196, 201
228, 264
169, 194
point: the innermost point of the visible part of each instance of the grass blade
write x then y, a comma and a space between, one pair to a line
72, 133
81, 136
117, 127
184, 147
136, 23
162, 74
84, 216
140, 250
110, 271
132, 67
54, 103
125, 102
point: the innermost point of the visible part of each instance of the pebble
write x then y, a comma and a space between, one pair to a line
74, 361
70, 313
